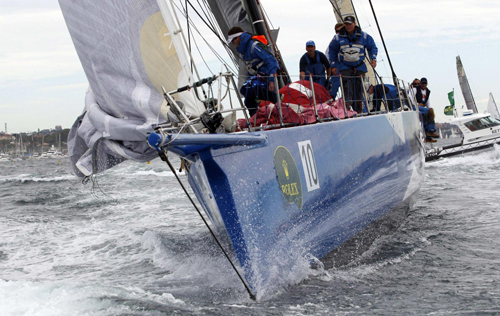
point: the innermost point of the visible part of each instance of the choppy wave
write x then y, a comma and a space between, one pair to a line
75, 298
27, 178
133, 245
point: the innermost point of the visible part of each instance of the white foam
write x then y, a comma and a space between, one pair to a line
73, 298
32, 178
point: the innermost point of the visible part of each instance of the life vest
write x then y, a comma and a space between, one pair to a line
317, 70
254, 65
351, 52
419, 95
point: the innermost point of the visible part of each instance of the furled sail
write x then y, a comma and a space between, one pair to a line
128, 53
464, 85
492, 107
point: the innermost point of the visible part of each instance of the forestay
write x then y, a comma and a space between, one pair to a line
128, 53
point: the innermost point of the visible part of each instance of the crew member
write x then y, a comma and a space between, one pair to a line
315, 63
422, 94
261, 67
347, 56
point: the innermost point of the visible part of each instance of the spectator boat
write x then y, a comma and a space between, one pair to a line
479, 130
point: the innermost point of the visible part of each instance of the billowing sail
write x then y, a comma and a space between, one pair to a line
128, 53
464, 85
492, 107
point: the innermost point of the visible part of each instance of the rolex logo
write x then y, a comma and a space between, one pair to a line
288, 177
285, 167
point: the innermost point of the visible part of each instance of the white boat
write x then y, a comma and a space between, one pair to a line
4, 157
53, 152
479, 131
283, 195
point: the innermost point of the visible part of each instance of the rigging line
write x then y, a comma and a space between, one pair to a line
267, 17
277, 53
201, 55
209, 19
252, 296
209, 26
209, 46
213, 20
210, 16
213, 30
189, 36
194, 27
383, 42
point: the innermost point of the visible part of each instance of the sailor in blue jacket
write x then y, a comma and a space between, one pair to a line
261, 67
314, 63
387, 94
347, 55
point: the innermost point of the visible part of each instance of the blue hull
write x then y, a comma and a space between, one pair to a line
296, 194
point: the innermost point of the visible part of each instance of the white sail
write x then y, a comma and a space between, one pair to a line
342, 8
492, 107
128, 53
464, 85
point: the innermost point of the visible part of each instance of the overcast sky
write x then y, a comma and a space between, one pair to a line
42, 83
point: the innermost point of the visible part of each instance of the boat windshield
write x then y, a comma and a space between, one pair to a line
482, 123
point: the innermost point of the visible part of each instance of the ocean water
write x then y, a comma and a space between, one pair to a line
131, 244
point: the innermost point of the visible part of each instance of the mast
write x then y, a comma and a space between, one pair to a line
383, 42
258, 23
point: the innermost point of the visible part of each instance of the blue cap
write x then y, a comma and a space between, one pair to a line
310, 43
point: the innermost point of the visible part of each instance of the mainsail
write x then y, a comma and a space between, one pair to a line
464, 85
492, 107
128, 53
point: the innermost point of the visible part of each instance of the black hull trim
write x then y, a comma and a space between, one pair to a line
432, 157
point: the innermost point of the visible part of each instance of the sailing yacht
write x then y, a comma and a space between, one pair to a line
479, 130
283, 194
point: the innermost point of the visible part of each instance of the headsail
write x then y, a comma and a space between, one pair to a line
492, 107
128, 54
464, 85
